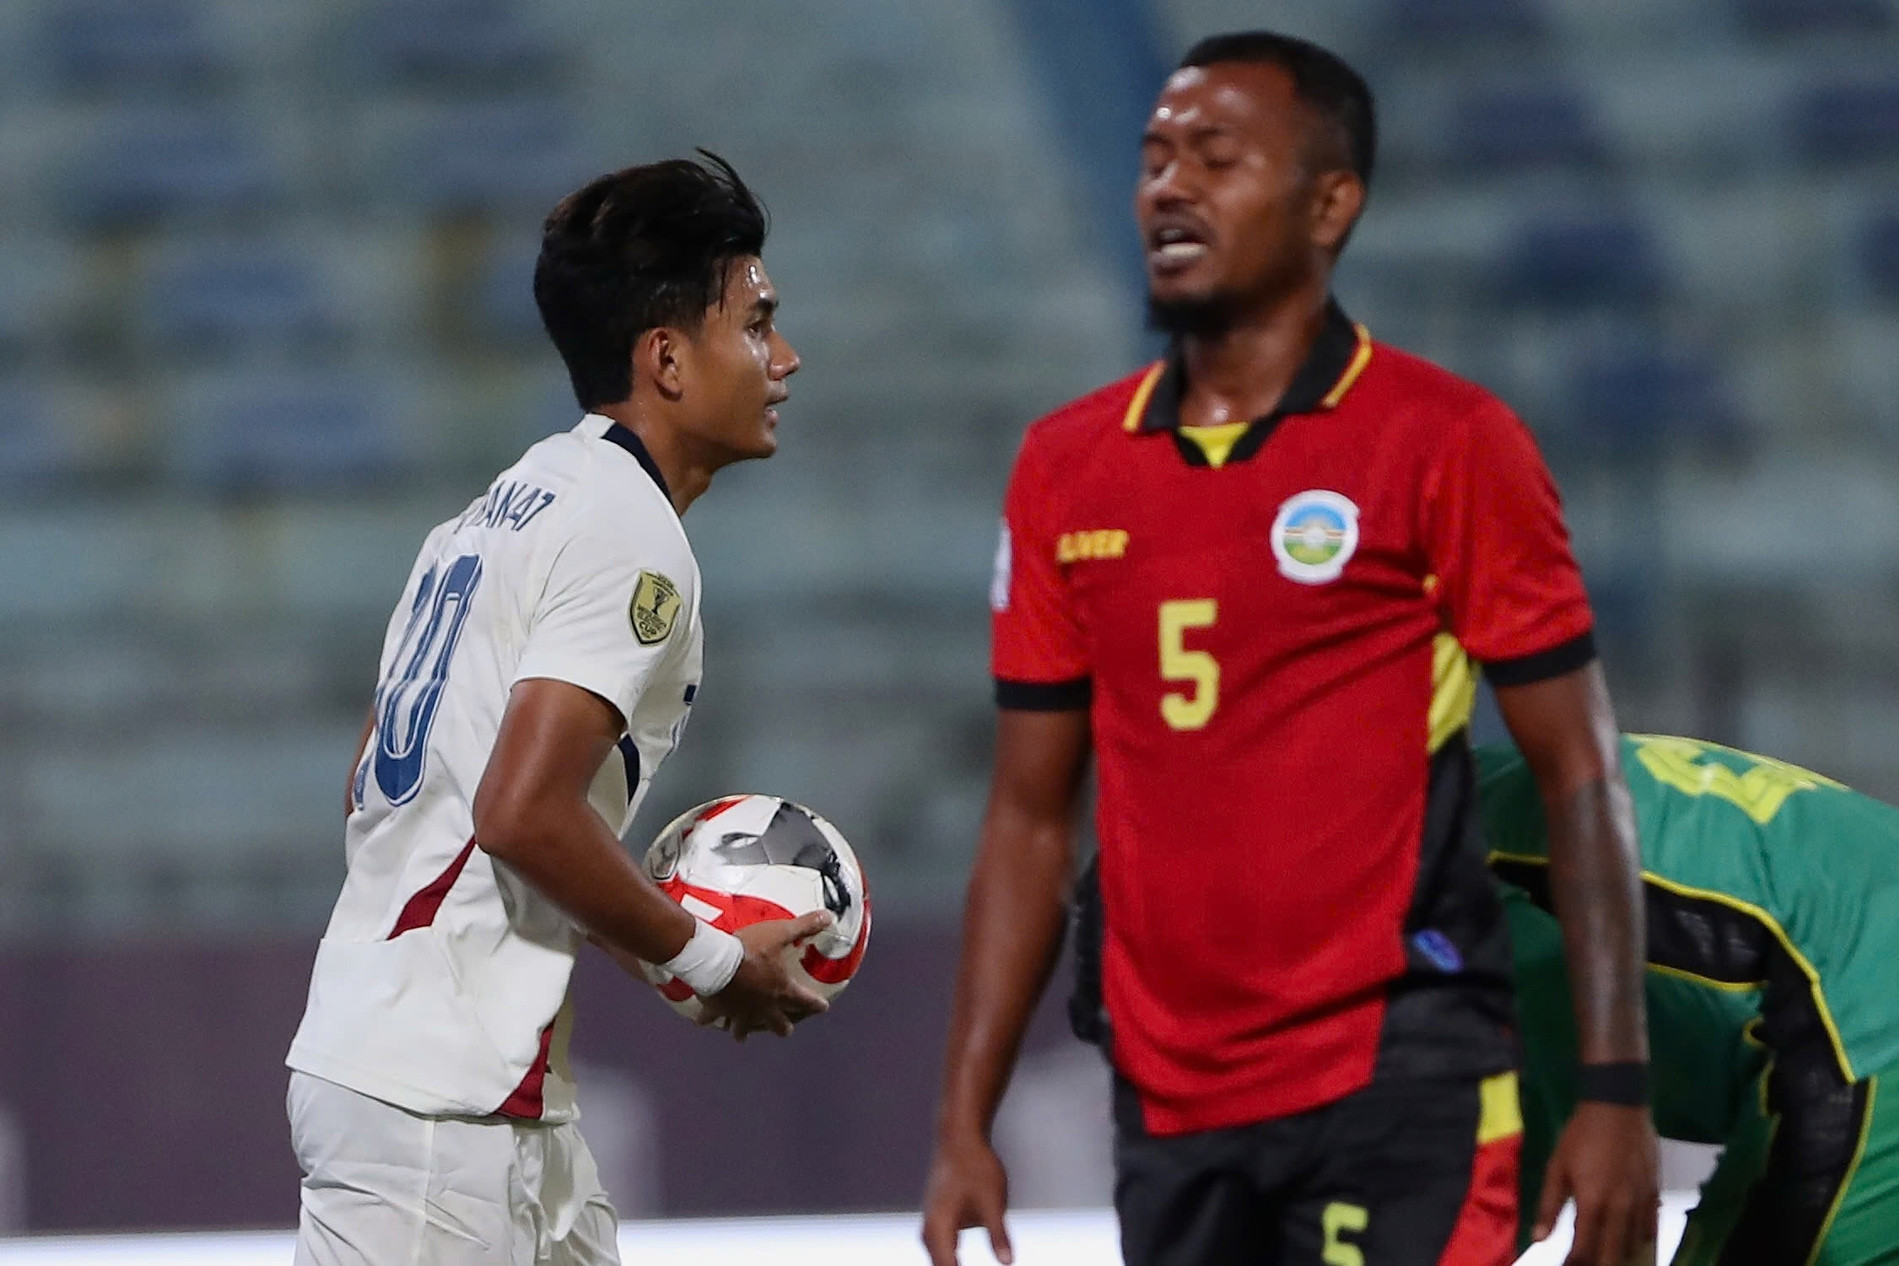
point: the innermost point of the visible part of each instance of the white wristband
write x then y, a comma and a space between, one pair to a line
709, 960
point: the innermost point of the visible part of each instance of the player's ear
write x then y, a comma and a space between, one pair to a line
1337, 198
658, 357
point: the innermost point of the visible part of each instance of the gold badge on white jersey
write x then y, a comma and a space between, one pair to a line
654, 607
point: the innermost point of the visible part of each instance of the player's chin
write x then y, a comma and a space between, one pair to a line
1185, 294
761, 443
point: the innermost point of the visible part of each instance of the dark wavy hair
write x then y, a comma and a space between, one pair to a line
635, 250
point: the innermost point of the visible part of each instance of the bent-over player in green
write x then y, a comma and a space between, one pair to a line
1772, 896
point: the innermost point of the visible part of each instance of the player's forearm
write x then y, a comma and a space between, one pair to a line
1595, 884
567, 853
1012, 934
362, 745
1565, 726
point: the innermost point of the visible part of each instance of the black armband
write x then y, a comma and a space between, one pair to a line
1624, 1083
1045, 696
1565, 657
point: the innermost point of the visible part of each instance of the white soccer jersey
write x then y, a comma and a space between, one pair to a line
440, 983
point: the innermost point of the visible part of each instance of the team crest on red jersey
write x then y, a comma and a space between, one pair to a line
1314, 535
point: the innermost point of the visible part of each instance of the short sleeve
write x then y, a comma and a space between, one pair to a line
608, 615
1036, 649
1507, 584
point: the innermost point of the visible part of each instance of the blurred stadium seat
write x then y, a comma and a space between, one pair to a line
150, 165
1455, 24
115, 45
1845, 121
312, 431
35, 451
466, 43
1606, 260
221, 295
40, 284
1508, 128
1647, 398
1879, 255
493, 157
1808, 17
503, 307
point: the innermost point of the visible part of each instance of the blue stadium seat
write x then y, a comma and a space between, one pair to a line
299, 433
167, 163
1847, 121
1879, 255
473, 42
115, 44
1459, 23
1608, 260
504, 307
1779, 18
224, 294
1502, 129
501, 156
34, 448
41, 285
1642, 399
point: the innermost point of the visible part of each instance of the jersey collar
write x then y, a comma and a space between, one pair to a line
1334, 364
613, 433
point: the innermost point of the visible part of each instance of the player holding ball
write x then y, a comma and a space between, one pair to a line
539, 666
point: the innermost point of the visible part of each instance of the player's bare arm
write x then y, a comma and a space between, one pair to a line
1606, 1160
1012, 934
531, 811
362, 745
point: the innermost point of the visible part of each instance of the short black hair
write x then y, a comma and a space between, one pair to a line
1320, 78
634, 250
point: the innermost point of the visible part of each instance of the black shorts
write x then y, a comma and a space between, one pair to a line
1411, 1173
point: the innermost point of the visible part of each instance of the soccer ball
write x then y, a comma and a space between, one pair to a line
746, 859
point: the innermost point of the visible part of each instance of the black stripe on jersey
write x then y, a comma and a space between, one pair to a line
1044, 696
1719, 943
1822, 1115
630, 757
1087, 1012
617, 434
1818, 1139
1554, 662
1451, 1013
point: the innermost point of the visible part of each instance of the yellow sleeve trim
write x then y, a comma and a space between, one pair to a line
1499, 1115
1137, 407
1708, 982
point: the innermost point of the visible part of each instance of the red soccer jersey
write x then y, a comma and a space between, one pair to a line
1275, 644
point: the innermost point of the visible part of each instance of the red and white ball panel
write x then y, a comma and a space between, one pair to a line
748, 859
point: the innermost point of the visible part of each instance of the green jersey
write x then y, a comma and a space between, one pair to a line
1759, 877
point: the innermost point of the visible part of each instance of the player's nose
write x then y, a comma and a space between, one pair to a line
787, 361
1169, 188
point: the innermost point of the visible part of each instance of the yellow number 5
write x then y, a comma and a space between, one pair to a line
1177, 663
1339, 1216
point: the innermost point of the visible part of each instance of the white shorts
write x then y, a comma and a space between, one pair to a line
383, 1186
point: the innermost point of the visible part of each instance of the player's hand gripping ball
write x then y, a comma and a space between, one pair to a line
746, 859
